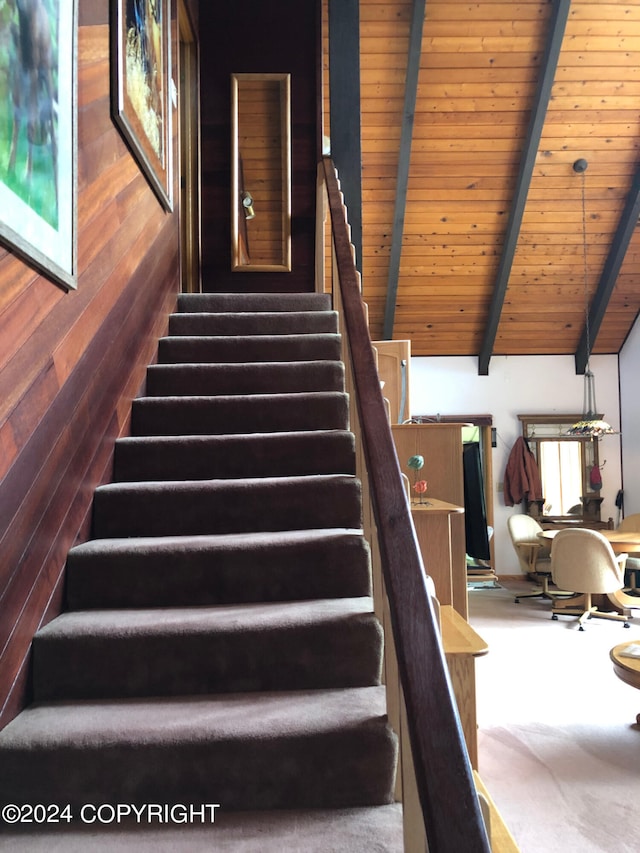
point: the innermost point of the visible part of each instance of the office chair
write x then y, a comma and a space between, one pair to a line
533, 555
583, 560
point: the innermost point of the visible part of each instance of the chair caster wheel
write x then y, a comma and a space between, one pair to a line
581, 628
627, 625
554, 616
516, 601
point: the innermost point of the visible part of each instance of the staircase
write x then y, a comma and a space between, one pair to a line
219, 646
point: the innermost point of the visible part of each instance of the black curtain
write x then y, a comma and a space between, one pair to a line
475, 513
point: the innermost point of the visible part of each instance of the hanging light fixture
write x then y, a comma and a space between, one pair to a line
591, 423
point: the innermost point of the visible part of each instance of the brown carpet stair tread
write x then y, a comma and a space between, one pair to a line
186, 748
254, 323
259, 348
191, 507
201, 378
252, 302
172, 651
225, 569
256, 454
58, 725
232, 414
359, 830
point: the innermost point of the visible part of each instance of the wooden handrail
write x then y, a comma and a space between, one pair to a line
448, 798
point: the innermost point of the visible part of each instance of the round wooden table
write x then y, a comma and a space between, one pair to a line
621, 541
626, 668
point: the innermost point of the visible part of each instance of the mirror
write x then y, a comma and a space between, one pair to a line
261, 172
565, 463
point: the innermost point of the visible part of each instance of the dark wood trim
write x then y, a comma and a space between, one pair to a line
404, 161
319, 86
527, 162
344, 99
447, 791
624, 232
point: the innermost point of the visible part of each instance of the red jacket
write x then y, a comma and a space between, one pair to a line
522, 477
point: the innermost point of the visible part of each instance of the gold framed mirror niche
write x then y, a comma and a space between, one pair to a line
261, 172
565, 463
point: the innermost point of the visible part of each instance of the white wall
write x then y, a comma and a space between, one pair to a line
630, 396
521, 385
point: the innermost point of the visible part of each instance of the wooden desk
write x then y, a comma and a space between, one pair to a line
443, 549
461, 646
627, 669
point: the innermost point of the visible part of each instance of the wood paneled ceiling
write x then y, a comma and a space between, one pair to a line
484, 253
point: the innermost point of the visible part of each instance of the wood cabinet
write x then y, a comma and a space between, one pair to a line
440, 529
394, 366
441, 447
437, 529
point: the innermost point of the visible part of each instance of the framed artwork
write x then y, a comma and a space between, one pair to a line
38, 134
141, 76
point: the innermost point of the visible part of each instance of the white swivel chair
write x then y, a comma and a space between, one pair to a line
583, 560
533, 555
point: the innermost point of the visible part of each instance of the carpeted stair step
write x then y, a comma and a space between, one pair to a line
252, 302
255, 323
229, 415
228, 649
361, 830
261, 348
193, 507
192, 380
199, 457
207, 570
304, 749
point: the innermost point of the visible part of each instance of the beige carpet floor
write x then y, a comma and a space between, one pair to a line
559, 748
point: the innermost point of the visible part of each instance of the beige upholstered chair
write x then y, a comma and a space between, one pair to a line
533, 554
632, 568
583, 560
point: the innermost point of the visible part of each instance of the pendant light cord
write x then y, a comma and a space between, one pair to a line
585, 271
589, 425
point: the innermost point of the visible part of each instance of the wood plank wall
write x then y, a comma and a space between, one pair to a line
253, 36
70, 363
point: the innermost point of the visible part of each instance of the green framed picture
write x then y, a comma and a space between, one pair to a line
38, 135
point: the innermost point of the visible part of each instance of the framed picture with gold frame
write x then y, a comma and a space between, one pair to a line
140, 82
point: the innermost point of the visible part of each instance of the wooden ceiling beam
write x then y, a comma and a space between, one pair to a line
548, 68
344, 98
404, 161
617, 252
